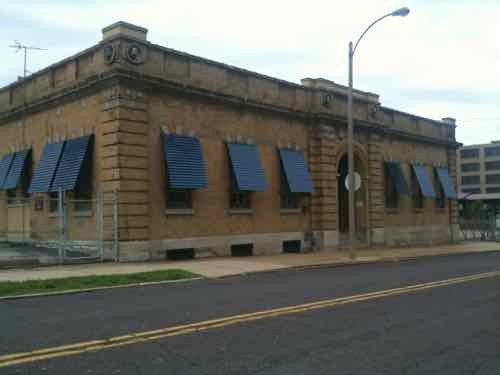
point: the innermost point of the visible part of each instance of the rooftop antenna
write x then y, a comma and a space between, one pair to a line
18, 46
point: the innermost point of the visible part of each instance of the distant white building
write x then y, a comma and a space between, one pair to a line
478, 169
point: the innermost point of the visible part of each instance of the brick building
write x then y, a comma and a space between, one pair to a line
215, 159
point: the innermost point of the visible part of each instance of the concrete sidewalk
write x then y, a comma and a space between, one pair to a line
221, 267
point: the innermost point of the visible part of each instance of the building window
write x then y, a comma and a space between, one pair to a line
82, 194
82, 201
471, 191
25, 180
54, 202
493, 179
179, 199
471, 180
492, 165
493, 190
492, 151
288, 199
469, 153
391, 194
440, 198
418, 198
240, 200
11, 196
470, 167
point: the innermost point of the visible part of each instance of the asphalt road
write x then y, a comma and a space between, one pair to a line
452, 329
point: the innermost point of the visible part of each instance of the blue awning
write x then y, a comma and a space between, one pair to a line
296, 172
246, 167
185, 165
397, 177
446, 183
46, 168
5, 164
17, 169
424, 181
73, 156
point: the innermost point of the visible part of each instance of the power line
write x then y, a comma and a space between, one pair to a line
18, 46
482, 119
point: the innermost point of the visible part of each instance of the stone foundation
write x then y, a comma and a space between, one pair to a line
264, 244
426, 235
272, 243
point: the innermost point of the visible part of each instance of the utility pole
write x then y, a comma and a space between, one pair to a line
18, 46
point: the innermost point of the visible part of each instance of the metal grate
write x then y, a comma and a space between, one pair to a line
180, 254
242, 250
292, 246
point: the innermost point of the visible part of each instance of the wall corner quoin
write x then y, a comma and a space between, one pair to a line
124, 158
322, 164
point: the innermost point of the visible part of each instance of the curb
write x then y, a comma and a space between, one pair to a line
251, 273
354, 263
96, 289
389, 260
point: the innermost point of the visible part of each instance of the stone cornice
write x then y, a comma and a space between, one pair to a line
102, 81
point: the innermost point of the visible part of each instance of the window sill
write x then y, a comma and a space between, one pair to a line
16, 205
440, 210
290, 211
392, 211
179, 211
83, 213
418, 210
240, 211
53, 214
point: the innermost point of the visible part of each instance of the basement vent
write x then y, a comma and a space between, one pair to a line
242, 250
180, 254
292, 246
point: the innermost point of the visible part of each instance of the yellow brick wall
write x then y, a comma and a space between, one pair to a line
65, 121
407, 153
212, 124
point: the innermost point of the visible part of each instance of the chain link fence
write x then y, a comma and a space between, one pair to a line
479, 229
60, 228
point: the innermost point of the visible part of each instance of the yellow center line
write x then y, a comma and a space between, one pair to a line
148, 336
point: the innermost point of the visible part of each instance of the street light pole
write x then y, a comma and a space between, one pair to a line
401, 12
350, 160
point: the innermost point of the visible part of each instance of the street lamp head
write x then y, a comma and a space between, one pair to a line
401, 12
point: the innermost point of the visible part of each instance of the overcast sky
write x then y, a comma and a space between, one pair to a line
442, 60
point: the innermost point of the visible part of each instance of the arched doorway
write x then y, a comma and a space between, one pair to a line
360, 203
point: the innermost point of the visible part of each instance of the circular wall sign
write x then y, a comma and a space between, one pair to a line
357, 181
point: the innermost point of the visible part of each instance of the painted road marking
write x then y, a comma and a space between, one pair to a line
148, 336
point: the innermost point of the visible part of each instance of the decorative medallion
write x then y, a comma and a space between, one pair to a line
135, 54
109, 53
326, 100
374, 109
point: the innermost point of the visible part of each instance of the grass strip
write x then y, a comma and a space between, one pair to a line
12, 288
